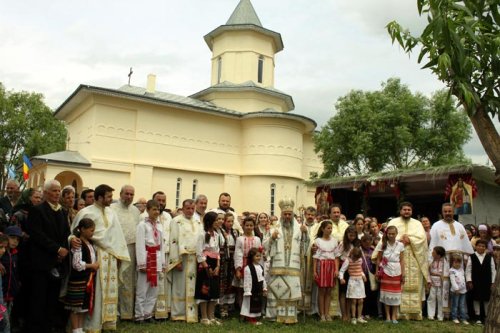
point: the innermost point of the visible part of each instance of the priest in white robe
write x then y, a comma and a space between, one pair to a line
111, 247
284, 249
128, 216
412, 234
450, 235
184, 231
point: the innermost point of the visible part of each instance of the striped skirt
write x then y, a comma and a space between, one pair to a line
325, 269
77, 297
390, 290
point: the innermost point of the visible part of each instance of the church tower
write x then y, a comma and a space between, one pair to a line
243, 62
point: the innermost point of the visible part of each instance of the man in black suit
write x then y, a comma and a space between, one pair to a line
11, 195
47, 249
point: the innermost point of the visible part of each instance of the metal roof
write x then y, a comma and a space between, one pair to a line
64, 157
248, 85
244, 17
166, 99
244, 13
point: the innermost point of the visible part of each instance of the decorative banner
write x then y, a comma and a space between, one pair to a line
461, 190
323, 200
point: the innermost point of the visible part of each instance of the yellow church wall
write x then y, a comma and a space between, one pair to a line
239, 52
243, 40
166, 180
311, 161
256, 193
272, 147
81, 128
113, 178
190, 140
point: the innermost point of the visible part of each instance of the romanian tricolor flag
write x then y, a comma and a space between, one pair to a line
26, 167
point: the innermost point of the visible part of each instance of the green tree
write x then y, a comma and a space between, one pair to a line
391, 129
27, 126
461, 45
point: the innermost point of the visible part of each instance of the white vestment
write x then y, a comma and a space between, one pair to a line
453, 238
111, 246
129, 217
184, 234
284, 289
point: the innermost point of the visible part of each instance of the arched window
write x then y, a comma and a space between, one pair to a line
178, 192
219, 69
260, 69
195, 186
273, 193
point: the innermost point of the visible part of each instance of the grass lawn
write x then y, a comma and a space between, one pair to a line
311, 325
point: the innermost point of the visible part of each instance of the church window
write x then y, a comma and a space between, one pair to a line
273, 192
260, 69
178, 192
219, 69
195, 186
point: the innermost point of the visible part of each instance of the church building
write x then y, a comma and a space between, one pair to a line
237, 136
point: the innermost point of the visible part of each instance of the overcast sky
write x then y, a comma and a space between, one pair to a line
331, 47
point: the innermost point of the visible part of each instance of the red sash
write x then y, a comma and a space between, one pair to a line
90, 291
151, 265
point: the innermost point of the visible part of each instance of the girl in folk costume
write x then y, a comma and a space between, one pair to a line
207, 290
436, 272
243, 245
390, 272
80, 292
254, 287
325, 271
349, 241
356, 285
150, 261
262, 227
227, 291
359, 224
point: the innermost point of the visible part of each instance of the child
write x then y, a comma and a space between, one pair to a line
4, 318
370, 305
207, 290
359, 224
349, 241
355, 286
254, 287
10, 280
480, 273
458, 290
484, 233
150, 261
436, 270
227, 265
243, 245
390, 272
80, 293
324, 267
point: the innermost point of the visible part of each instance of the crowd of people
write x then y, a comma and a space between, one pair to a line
88, 261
